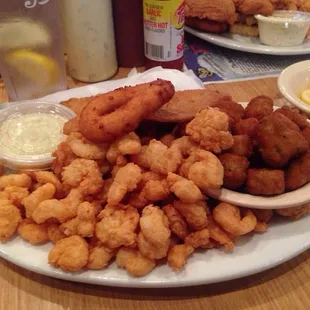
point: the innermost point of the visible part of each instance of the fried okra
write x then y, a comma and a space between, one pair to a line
259, 107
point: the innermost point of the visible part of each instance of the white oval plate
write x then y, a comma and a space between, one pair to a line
284, 240
249, 44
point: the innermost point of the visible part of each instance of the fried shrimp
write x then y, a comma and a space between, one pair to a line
83, 174
15, 194
295, 212
44, 192
43, 177
154, 237
99, 257
32, 232
62, 210
134, 262
126, 180
187, 191
85, 149
111, 115
229, 217
9, 220
178, 254
84, 222
70, 254
162, 159
199, 239
210, 129
20, 180
194, 213
177, 223
117, 226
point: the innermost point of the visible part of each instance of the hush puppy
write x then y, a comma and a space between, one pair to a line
259, 107
235, 170
279, 140
265, 182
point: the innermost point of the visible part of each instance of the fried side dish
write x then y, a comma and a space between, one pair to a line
140, 199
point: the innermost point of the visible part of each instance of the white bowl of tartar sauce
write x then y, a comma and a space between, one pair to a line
283, 28
29, 132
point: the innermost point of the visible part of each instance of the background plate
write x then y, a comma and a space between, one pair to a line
249, 44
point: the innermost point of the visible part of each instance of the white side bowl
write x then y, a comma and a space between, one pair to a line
293, 81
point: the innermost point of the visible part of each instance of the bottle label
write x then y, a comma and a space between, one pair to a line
164, 29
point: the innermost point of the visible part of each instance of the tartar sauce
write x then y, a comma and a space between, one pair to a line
31, 135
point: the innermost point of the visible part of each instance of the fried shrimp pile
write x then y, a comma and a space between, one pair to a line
140, 198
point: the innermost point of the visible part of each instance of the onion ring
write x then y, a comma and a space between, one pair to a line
111, 115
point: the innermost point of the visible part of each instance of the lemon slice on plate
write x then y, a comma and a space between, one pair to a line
305, 96
35, 66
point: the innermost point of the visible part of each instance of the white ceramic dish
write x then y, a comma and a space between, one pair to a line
292, 81
248, 44
284, 240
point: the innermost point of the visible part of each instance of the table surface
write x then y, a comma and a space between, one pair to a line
284, 287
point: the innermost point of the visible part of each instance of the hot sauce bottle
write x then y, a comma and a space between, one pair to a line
164, 33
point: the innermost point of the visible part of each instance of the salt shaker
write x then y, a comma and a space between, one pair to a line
89, 37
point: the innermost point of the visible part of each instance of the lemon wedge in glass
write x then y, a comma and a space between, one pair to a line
34, 66
305, 96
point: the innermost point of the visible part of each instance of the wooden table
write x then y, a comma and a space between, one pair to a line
284, 287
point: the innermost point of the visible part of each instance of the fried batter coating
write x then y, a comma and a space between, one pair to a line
259, 107
306, 134
15, 194
298, 172
84, 222
9, 220
19, 180
111, 115
154, 238
117, 226
43, 177
126, 180
251, 7
218, 234
83, 148
213, 10
44, 192
204, 169
99, 257
63, 157
62, 210
83, 174
178, 255
199, 239
245, 127
54, 233
194, 213
167, 139
70, 254
229, 217
129, 144
185, 144
134, 262
279, 140
244, 30
187, 191
32, 232
162, 159
206, 25
141, 159
265, 182
295, 115
235, 170
295, 212
210, 129
234, 110
177, 223
242, 146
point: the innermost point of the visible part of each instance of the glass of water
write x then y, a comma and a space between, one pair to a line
31, 49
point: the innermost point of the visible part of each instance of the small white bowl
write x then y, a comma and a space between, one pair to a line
30, 162
283, 28
293, 81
